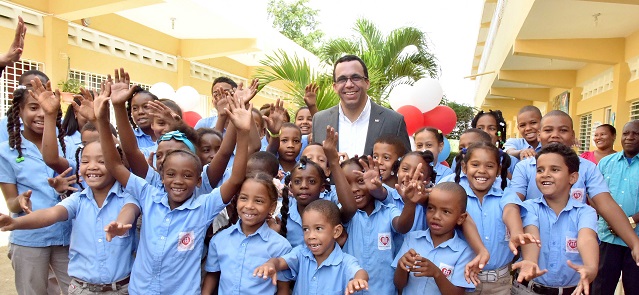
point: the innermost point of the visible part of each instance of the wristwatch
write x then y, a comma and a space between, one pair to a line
632, 222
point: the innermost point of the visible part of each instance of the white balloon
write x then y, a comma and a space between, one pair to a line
187, 98
427, 94
400, 96
162, 90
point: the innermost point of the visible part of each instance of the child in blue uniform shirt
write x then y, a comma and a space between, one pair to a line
174, 222
433, 261
556, 126
566, 227
371, 230
319, 266
528, 144
431, 139
235, 251
94, 264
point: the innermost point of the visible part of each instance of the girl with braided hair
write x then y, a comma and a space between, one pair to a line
23, 180
246, 242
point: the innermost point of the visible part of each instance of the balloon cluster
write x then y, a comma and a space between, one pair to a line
186, 97
419, 104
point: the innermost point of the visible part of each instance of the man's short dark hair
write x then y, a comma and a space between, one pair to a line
350, 57
226, 80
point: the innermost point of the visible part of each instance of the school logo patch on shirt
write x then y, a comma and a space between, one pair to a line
447, 270
186, 241
577, 193
571, 245
384, 241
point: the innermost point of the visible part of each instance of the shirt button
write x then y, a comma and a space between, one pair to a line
486, 238
161, 237
243, 244
99, 240
167, 220
314, 278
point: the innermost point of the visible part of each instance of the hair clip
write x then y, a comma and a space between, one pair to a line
431, 164
19, 159
21, 87
399, 159
498, 133
463, 151
439, 131
303, 165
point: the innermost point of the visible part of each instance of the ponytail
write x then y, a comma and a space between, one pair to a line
458, 159
505, 164
285, 206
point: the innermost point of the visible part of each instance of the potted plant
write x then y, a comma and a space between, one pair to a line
68, 89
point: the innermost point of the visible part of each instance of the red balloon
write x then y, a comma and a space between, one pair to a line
191, 118
441, 117
413, 118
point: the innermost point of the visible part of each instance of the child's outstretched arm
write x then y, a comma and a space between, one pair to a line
120, 94
469, 228
274, 123
270, 269
358, 283
344, 192
50, 104
112, 159
35, 219
528, 267
589, 251
128, 215
241, 118
512, 218
245, 95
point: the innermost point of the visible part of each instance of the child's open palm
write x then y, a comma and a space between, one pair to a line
239, 114
115, 229
310, 95
162, 112
528, 270
330, 143
265, 271
414, 190
101, 103
587, 275
48, 100
121, 91
62, 182
246, 94
371, 174
85, 108
276, 117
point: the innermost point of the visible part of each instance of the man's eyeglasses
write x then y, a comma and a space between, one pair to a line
354, 78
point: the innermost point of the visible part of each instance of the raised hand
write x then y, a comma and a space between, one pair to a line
24, 199
101, 103
276, 117
412, 187
220, 100
355, 285
85, 108
528, 270
48, 100
310, 96
121, 91
520, 239
265, 271
115, 228
586, 274
246, 94
240, 114
62, 183
17, 46
371, 176
330, 143
160, 111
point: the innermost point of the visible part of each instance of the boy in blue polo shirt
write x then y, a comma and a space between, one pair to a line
566, 227
320, 266
556, 126
528, 145
433, 261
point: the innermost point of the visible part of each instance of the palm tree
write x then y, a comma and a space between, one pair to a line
297, 73
402, 57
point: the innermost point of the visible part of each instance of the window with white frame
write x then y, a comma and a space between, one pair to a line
9, 81
608, 115
634, 110
93, 81
585, 132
